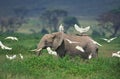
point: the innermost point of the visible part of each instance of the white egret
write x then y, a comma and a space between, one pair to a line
11, 57
4, 47
80, 48
95, 42
115, 55
50, 51
61, 28
21, 56
118, 52
80, 29
12, 38
72, 41
90, 56
109, 40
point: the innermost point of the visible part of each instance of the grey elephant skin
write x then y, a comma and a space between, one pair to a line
57, 41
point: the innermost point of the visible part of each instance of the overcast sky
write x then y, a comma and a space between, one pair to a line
74, 7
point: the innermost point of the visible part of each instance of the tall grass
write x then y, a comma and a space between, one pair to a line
51, 67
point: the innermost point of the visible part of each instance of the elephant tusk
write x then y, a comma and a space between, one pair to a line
37, 50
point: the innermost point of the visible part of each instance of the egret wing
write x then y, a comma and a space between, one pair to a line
77, 28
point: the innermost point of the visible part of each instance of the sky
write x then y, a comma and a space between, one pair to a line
74, 7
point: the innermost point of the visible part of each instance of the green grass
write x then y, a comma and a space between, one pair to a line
51, 67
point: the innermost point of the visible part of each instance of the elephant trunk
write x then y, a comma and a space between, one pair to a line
39, 48
38, 51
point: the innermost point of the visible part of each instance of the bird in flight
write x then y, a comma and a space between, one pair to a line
109, 40
80, 29
11, 57
4, 47
12, 38
115, 55
61, 28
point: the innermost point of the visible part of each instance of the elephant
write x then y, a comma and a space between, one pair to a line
58, 41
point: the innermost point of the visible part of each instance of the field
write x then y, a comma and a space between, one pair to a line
51, 67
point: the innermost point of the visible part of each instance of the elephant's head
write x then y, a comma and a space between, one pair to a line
53, 40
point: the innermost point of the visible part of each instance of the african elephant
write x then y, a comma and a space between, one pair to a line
58, 41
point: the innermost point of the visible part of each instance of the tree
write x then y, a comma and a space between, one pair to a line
10, 24
110, 21
70, 21
52, 18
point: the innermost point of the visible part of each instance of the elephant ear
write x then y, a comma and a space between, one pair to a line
57, 40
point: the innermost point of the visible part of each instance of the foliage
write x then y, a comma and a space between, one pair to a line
10, 24
70, 21
13, 23
52, 18
51, 67
110, 21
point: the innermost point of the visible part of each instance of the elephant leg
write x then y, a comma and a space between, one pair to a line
38, 53
95, 53
92, 50
61, 50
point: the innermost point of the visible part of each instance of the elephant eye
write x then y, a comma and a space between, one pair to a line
45, 41
48, 41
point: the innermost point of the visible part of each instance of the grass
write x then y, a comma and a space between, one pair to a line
51, 67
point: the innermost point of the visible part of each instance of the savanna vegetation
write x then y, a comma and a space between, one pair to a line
50, 67
29, 31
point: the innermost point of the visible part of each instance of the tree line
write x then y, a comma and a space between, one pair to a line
110, 21
52, 18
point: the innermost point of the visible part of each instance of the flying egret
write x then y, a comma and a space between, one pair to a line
4, 47
80, 48
21, 56
11, 57
80, 29
61, 28
50, 51
109, 40
12, 38
72, 41
115, 55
